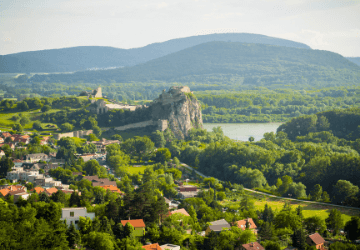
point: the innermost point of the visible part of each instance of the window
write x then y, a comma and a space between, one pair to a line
71, 214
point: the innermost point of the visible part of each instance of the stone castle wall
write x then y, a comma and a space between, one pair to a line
79, 134
161, 125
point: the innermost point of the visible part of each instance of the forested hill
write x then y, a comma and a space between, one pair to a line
223, 62
82, 58
354, 60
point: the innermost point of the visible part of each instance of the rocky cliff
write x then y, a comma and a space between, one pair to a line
180, 108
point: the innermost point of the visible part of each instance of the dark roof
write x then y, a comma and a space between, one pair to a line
316, 238
219, 227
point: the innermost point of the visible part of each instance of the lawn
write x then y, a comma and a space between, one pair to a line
136, 170
309, 209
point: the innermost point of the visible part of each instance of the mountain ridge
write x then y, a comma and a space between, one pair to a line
252, 62
85, 57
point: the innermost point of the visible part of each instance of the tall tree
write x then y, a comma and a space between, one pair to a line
334, 221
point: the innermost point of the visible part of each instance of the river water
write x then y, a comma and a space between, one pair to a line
242, 131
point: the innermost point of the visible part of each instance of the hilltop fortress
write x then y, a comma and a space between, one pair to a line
177, 109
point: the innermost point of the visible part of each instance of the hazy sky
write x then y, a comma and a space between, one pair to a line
47, 24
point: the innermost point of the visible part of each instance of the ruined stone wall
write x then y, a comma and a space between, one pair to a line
137, 125
79, 134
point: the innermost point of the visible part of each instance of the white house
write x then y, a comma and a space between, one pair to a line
170, 247
72, 215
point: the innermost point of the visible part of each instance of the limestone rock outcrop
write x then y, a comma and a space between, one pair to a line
180, 108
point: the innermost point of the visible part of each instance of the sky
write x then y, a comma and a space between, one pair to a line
28, 25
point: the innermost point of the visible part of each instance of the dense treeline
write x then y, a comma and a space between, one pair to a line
264, 105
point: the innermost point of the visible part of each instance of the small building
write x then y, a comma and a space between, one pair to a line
37, 157
247, 223
139, 226
218, 226
252, 246
170, 247
37, 190
315, 240
188, 188
154, 246
72, 215
179, 211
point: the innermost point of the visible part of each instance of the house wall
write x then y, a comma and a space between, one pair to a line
79, 211
139, 231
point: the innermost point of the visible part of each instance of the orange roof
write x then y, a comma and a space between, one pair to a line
4, 192
134, 223
180, 211
51, 191
316, 238
242, 224
38, 190
6, 134
154, 246
111, 188
12, 188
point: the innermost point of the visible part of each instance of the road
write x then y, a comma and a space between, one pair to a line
270, 195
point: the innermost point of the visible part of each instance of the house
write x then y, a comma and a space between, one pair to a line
5, 135
2, 153
72, 215
112, 189
187, 188
2, 140
139, 226
4, 192
37, 190
154, 246
88, 157
37, 157
31, 166
179, 211
49, 166
217, 226
242, 224
23, 195
316, 240
185, 195
101, 145
96, 181
252, 246
51, 191
170, 247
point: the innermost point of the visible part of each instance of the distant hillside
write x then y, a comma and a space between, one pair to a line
253, 64
354, 60
83, 58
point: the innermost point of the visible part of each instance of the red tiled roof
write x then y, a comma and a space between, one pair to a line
16, 192
4, 192
6, 134
253, 246
154, 246
180, 211
134, 223
242, 224
38, 190
316, 238
111, 188
51, 191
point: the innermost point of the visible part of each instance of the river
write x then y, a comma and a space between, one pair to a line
242, 131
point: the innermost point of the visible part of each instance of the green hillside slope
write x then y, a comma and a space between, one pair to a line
252, 64
354, 60
83, 58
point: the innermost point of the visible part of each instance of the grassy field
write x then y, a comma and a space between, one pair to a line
309, 209
136, 170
